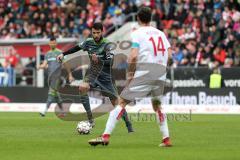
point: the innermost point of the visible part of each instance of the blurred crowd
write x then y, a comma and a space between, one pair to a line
202, 32
59, 18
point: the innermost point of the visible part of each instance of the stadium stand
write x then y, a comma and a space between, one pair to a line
202, 32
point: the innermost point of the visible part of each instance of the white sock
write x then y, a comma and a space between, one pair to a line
162, 120
113, 118
46, 109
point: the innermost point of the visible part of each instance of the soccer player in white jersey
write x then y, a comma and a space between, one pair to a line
149, 45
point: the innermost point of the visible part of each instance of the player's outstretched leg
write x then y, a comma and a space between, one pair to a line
113, 118
83, 89
127, 122
48, 103
114, 101
60, 106
52, 94
86, 105
162, 121
61, 114
59, 103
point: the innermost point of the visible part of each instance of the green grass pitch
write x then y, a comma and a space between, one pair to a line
27, 136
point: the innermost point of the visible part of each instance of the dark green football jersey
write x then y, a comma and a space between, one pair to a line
51, 58
102, 70
54, 68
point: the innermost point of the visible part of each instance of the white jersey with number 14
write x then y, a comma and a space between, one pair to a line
152, 44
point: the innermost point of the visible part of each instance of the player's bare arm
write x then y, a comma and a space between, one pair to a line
68, 68
132, 61
44, 65
169, 55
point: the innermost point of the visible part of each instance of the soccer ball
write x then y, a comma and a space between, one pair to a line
84, 127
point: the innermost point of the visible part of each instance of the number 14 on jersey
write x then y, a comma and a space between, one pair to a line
159, 47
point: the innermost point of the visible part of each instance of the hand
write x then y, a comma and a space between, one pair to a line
94, 58
60, 58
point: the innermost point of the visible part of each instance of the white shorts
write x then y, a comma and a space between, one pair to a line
151, 88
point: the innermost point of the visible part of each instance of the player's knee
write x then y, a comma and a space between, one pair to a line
114, 101
84, 88
156, 103
123, 102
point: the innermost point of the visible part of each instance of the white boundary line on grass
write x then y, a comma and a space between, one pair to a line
146, 108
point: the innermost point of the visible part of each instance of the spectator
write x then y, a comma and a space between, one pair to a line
185, 59
167, 9
226, 13
85, 34
118, 19
191, 24
235, 15
112, 8
205, 57
28, 71
215, 35
12, 59
31, 63
188, 35
108, 22
228, 63
178, 56
232, 3
236, 59
219, 55
180, 14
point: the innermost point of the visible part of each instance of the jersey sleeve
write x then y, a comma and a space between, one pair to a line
109, 51
135, 40
64, 57
83, 45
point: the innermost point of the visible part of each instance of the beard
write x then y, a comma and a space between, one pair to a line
97, 39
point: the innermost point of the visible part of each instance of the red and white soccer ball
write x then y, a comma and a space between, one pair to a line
84, 127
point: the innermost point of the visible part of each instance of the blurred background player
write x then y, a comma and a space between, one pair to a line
54, 76
99, 74
149, 45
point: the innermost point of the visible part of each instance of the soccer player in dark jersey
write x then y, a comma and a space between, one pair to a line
54, 73
99, 75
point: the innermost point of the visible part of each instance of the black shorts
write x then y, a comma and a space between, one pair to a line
102, 82
106, 87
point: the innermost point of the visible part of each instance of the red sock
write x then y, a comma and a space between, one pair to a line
106, 136
121, 113
166, 140
160, 115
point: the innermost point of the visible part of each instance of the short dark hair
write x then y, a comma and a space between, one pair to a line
52, 39
144, 14
98, 26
